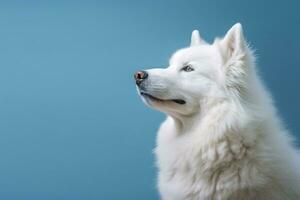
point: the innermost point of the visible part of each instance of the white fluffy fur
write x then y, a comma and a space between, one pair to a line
227, 141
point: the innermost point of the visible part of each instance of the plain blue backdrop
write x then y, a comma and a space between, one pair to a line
71, 123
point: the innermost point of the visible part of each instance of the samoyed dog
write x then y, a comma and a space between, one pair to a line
222, 138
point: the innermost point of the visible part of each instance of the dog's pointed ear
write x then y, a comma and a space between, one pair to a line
237, 59
233, 44
195, 38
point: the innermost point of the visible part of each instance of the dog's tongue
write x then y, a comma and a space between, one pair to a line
179, 101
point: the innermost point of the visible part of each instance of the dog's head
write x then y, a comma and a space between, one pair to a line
198, 73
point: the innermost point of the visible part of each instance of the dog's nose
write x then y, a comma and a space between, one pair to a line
140, 76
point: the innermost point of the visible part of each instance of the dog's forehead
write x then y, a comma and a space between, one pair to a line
198, 53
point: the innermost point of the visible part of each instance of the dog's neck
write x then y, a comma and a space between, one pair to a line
214, 122
210, 112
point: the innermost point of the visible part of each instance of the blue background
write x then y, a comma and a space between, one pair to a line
71, 123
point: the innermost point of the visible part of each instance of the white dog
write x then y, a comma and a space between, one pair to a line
222, 138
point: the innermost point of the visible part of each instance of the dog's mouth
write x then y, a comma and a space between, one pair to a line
153, 98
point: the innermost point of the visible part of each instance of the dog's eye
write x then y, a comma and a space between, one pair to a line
187, 68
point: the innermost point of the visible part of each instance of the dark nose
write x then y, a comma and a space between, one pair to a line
140, 76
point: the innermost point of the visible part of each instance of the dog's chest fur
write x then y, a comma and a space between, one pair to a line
223, 169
